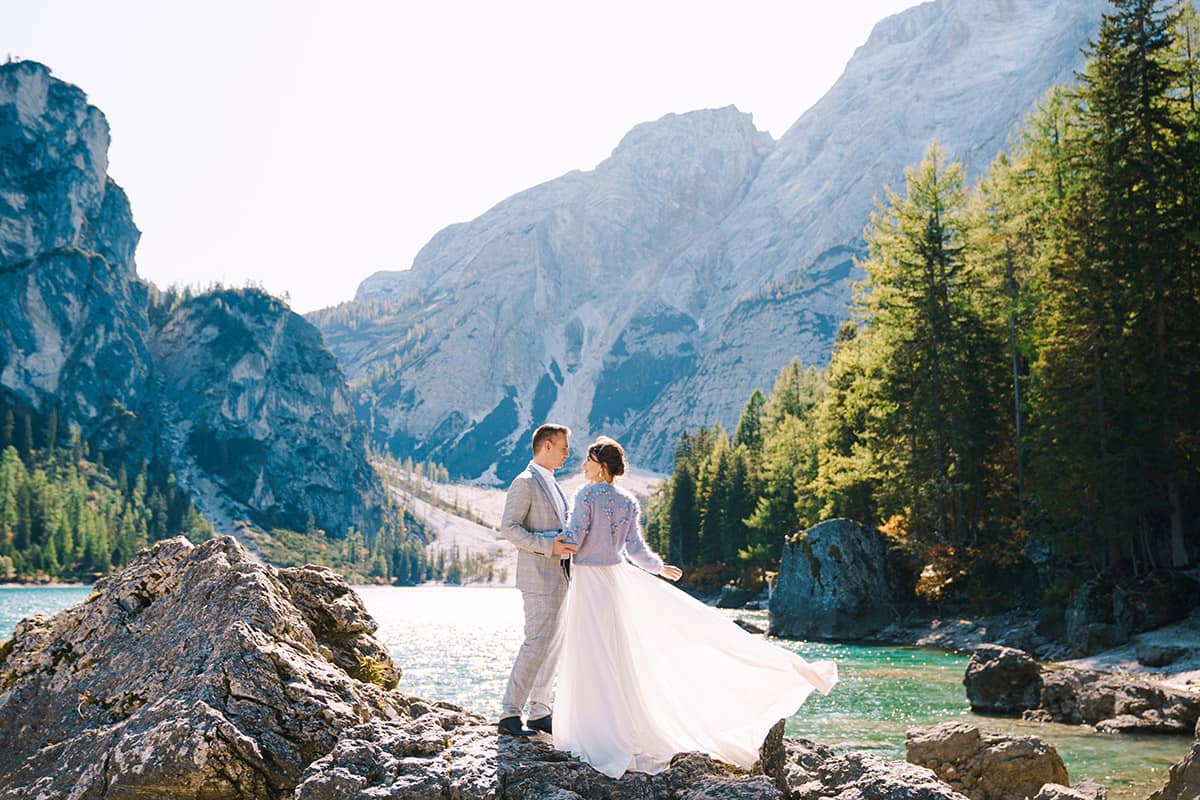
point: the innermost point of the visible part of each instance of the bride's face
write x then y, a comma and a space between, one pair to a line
591, 470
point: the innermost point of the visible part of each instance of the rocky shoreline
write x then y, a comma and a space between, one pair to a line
198, 672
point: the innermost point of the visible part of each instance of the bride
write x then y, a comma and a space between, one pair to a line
647, 671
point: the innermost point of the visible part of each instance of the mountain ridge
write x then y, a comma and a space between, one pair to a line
719, 291
136, 372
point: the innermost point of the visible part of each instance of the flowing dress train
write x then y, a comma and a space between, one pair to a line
648, 671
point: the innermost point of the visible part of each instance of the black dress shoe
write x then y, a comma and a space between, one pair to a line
513, 727
542, 724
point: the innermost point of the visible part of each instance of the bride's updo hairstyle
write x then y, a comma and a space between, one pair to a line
608, 454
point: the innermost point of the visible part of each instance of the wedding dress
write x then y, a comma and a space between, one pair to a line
647, 671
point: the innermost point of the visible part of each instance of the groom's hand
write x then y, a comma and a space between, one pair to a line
563, 547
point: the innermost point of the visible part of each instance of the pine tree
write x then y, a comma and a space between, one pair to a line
6, 432
27, 437
713, 488
1114, 423
931, 431
749, 427
683, 517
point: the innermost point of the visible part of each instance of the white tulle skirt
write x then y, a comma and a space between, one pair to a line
648, 671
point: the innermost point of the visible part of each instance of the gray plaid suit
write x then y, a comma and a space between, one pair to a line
531, 522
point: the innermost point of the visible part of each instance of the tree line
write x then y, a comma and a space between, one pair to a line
1020, 371
64, 516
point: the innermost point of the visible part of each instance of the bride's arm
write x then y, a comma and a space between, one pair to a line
636, 549
579, 521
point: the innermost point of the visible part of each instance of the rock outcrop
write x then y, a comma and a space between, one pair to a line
72, 313
261, 404
651, 295
1003, 680
229, 389
1104, 614
1019, 629
1114, 703
986, 766
192, 673
450, 754
835, 582
1184, 780
196, 672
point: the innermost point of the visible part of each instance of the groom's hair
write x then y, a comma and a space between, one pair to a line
547, 432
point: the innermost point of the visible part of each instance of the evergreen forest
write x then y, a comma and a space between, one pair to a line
1020, 377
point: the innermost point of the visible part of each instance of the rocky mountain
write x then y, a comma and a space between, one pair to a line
652, 294
232, 390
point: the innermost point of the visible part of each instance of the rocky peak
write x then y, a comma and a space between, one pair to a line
652, 295
53, 173
701, 160
234, 374
258, 401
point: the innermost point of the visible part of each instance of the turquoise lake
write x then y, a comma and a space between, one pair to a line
457, 644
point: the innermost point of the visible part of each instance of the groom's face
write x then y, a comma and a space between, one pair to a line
559, 449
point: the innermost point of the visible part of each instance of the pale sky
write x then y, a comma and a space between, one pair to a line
305, 145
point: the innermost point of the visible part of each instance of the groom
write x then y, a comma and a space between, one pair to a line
535, 514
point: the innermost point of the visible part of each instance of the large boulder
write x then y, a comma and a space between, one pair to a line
192, 673
985, 766
1184, 780
1002, 680
1104, 614
836, 581
1114, 702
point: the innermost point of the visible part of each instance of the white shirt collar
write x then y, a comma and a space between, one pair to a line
547, 474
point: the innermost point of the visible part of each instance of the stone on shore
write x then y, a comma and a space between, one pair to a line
1002, 680
1184, 780
734, 596
985, 766
835, 582
192, 673
1084, 790
1114, 702
1159, 655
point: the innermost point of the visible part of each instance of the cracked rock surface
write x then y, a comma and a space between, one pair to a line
191, 673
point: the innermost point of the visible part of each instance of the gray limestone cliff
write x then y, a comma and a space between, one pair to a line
235, 393
652, 294
837, 580
72, 313
262, 407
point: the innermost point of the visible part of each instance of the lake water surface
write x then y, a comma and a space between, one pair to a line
457, 644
